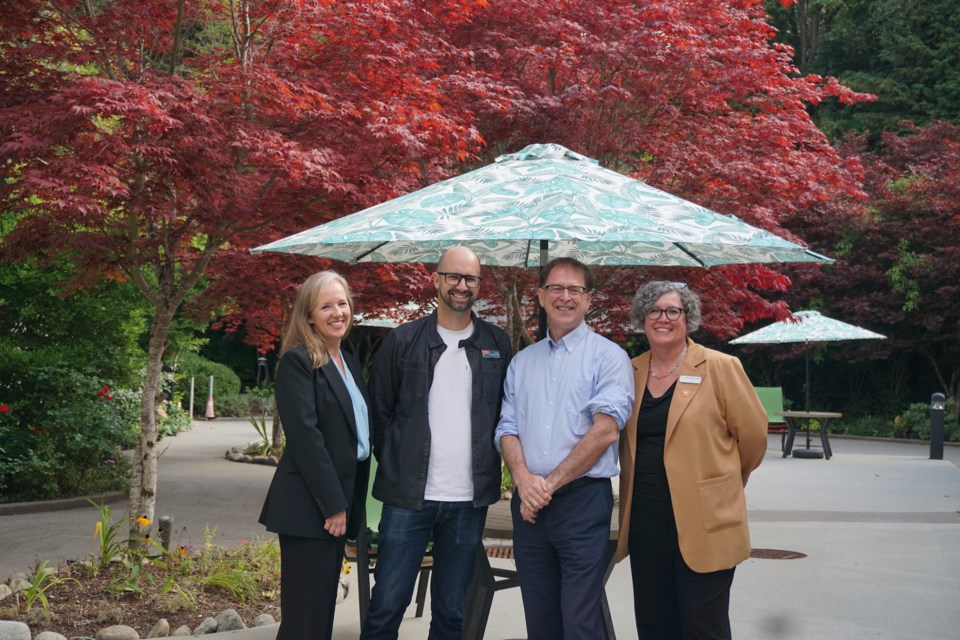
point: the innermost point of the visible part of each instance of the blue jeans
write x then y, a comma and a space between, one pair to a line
457, 531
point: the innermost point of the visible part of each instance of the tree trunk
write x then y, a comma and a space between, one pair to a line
143, 471
277, 437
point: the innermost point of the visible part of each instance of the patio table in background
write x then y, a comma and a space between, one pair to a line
823, 417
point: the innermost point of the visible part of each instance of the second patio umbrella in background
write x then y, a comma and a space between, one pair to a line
807, 327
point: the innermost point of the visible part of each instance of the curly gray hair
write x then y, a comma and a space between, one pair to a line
648, 294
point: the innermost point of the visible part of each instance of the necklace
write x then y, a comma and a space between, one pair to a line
661, 376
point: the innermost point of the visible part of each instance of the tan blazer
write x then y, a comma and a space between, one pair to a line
716, 435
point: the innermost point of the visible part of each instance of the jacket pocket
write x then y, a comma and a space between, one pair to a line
413, 381
722, 503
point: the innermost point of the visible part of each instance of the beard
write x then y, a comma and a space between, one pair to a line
457, 304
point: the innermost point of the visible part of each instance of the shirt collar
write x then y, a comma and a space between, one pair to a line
572, 339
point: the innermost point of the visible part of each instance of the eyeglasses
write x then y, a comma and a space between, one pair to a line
453, 279
678, 285
672, 313
556, 290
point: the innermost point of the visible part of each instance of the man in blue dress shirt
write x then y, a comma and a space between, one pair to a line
566, 398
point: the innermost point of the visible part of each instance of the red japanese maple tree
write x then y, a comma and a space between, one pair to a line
153, 140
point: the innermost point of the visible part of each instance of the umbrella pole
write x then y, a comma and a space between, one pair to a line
542, 327
806, 385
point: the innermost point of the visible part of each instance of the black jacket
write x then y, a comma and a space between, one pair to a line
318, 475
400, 381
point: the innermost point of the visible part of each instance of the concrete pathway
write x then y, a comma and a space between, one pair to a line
879, 524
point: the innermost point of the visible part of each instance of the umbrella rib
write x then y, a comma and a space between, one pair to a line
692, 256
356, 259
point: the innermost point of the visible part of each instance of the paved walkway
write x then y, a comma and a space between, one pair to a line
879, 524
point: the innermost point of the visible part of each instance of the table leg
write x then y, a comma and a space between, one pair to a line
825, 439
476, 609
611, 634
791, 434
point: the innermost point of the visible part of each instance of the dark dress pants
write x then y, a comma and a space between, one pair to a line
309, 580
561, 561
671, 601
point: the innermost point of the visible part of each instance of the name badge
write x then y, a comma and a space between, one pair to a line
493, 354
691, 379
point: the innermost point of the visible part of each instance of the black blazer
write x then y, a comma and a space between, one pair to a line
318, 475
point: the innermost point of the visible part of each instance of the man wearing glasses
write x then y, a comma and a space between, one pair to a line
565, 401
436, 386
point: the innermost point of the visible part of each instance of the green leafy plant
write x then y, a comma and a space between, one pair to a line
106, 533
41, 580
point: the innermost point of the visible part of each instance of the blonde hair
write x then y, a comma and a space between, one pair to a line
300, 332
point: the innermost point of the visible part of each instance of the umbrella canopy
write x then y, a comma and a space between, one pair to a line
807, 327
508, 210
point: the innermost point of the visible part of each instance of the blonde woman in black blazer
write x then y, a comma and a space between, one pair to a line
319, 490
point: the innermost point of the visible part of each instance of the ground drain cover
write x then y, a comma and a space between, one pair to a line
506, 553
776, 554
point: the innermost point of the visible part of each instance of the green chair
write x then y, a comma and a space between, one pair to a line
772, 400
363, 551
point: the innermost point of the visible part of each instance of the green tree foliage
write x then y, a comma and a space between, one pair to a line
906, 52
62, 429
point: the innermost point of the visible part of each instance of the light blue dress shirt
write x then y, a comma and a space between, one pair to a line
360, 413
554, 389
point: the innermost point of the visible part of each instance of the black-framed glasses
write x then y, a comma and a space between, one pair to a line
557, 290
672, 313
453, 279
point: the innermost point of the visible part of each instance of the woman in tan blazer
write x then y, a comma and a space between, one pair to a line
697, 431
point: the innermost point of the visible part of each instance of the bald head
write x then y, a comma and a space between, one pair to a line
462, 257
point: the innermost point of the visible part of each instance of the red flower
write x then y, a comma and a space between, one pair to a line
109, 397
4, 408
101, 392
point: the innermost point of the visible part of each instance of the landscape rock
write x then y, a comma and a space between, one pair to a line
263, 620
160, 630
81, 638
49, 635
18, 582
183, 630
229, 620
5, 591
10, 630
209, 625
117, 632
261, 460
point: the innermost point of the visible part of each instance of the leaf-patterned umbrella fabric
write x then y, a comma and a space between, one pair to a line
807, 326
544, 192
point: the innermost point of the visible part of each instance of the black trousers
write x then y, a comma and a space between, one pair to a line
671, 601
309, 579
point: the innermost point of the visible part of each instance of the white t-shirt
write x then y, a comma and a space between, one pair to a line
450, 473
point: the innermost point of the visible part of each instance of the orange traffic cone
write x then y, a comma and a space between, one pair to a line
210, 413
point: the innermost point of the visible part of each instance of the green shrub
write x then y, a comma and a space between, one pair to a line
235, 405
61, 430
225, 381
174, 422
915, 422
871, 426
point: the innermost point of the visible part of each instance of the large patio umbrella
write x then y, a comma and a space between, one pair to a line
807, 327
542, 202
544, 198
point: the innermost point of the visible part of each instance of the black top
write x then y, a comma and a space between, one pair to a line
650, 476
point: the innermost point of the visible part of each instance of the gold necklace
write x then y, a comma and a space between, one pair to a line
661, 376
